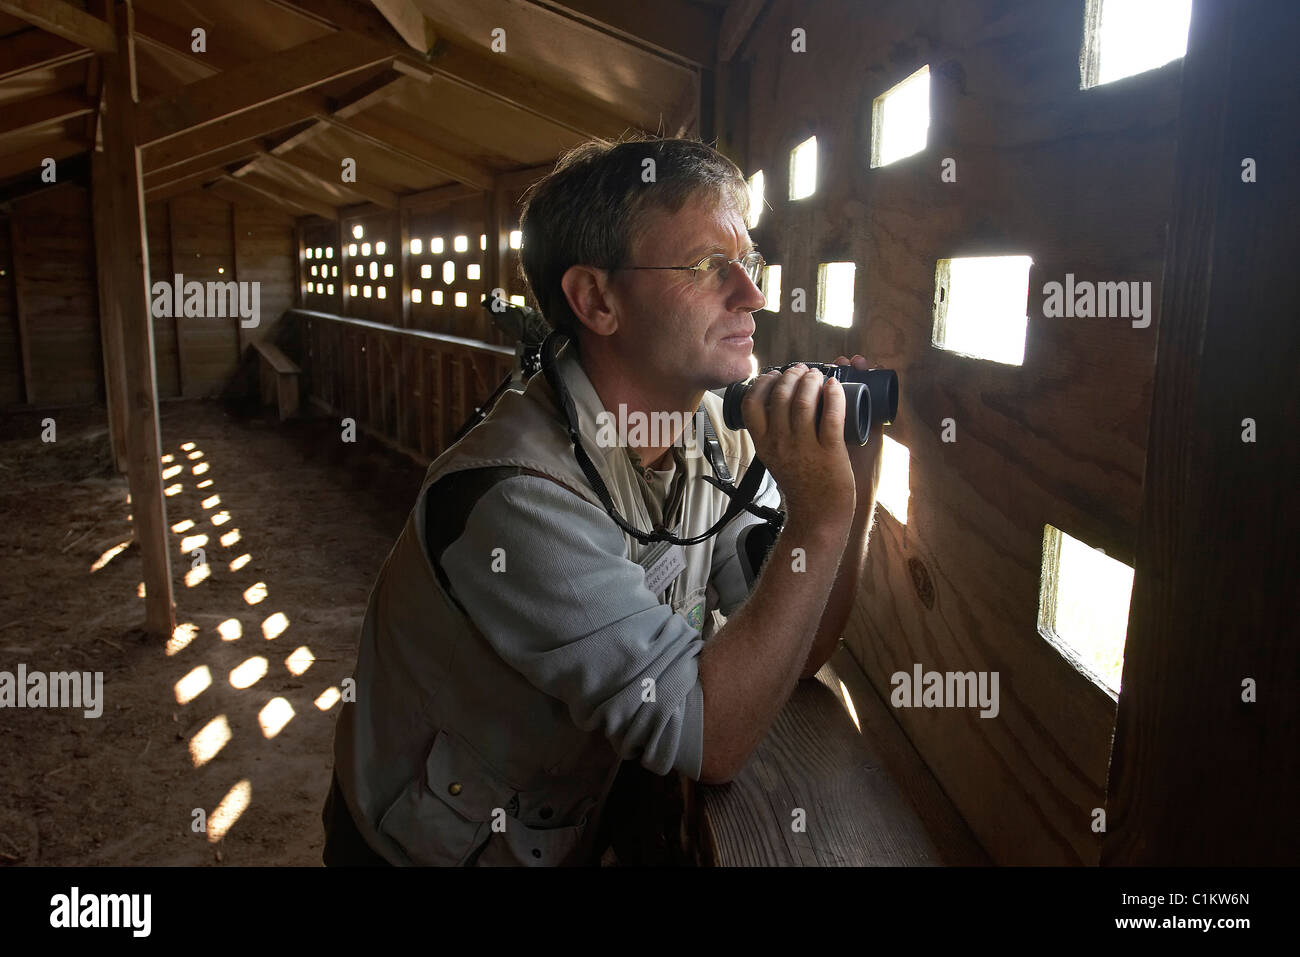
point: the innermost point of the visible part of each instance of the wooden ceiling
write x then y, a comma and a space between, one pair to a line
417, 92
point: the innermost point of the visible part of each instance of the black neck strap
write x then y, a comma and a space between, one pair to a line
742, 496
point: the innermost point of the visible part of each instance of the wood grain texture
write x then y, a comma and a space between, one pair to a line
1199, 775
817, 769
1078, 180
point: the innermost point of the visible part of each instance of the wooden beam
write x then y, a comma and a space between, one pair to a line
33, 50
737, 22
256, 84
413, 148
63, 20
245, 126
469, 68
166, 36
29, 161
275, 191
489, 76
438, 196
671, 29
42, 111
128, 308
411, 25
328, 174
208, 163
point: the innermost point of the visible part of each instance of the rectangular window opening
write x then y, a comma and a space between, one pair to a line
1125, 37
835, 294
900, 119
980, 307
1083, 606
803, 169
895, 488
755, 199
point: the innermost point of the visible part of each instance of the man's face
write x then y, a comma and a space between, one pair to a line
687, 334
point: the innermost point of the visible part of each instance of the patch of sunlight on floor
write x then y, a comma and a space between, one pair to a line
228, 811
277, 713
210, 739
182, 635
275, 625
193, 684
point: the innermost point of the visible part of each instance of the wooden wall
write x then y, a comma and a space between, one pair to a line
49, 297
56, 298
1078, 180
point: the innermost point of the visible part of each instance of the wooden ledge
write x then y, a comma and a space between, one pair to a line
867, 798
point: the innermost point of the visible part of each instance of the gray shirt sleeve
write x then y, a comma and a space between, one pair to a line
726, 575
574, 617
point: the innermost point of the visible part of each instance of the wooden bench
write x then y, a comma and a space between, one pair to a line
279, 378
866, 797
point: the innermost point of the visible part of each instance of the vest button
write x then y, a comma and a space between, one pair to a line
453, 788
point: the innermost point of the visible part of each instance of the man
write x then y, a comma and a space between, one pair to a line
518, 644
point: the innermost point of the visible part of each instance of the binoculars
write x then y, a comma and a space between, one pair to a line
871, 398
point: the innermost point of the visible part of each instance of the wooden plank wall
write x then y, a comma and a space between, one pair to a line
1080, 181
49, 291
57, 297
11, 357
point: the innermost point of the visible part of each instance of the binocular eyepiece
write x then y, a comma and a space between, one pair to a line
871, 398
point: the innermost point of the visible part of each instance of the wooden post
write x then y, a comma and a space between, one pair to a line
115, 390
123, 208
21, 294
1204, 767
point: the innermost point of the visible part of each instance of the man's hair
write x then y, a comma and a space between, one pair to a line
586, 211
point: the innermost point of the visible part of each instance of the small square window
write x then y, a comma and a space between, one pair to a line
518, 300
330, 289
435, 297
365, 292
462, 300
426, 271
516, 239
979, 307
435, 245
388, 269
352, 249
382, 292
460, 244
416, 295
352, 289
381, 248
471, 271
417, 247
448, 272
365, 249
357, 231
361, 269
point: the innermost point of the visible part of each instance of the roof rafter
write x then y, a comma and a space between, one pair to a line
64, 20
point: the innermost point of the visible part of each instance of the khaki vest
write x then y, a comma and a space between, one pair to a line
444, 736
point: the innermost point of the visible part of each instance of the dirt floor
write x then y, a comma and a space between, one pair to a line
291, 507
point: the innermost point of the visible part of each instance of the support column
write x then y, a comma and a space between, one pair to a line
122, 209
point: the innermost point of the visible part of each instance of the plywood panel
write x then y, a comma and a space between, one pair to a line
1079, 181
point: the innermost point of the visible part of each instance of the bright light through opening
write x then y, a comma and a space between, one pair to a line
1083, 605
894, 490
803, 169
901, 119
772, 288
979, 307
835, 294
755, 199
1133, 36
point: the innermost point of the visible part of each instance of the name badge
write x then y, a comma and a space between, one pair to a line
663, 562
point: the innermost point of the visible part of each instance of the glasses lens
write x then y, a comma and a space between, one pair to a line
753, 263
713, 269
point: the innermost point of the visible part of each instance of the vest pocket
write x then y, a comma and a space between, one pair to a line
444, 814
445, 817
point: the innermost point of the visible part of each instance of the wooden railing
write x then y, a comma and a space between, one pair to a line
410, 389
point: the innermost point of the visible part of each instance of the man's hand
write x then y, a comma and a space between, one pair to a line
809, 461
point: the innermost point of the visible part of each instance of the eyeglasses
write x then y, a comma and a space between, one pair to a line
712, 271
